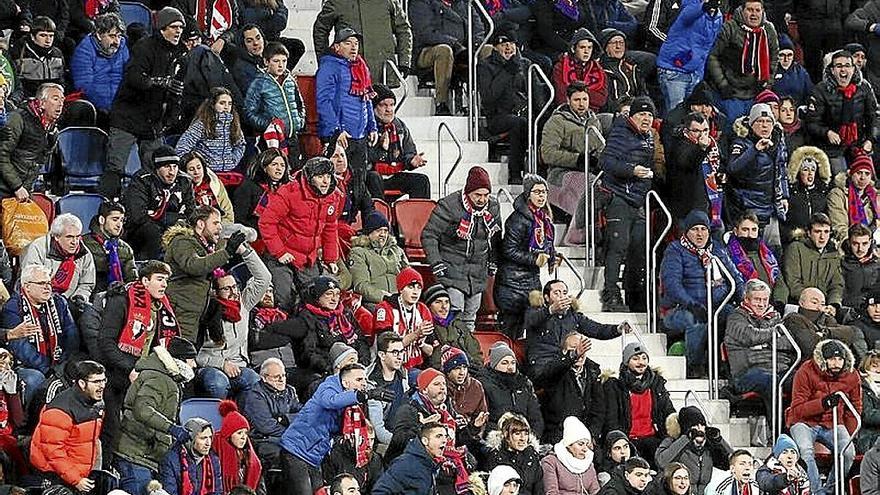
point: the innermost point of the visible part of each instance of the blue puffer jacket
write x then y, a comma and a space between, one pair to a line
684, 277
626, 147
171, 472
794, 82
612, 14
339, 110
757, 178
308, 436
690, 39
222, 155
411, 473
267, 98
97, 75
26, 350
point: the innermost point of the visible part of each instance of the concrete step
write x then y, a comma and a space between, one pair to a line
717, 411
414, 106
671, 367
471, 151
426, 127
656, 344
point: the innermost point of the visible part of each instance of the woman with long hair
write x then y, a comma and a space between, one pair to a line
268, 171
215, 132
239, 464
207, 188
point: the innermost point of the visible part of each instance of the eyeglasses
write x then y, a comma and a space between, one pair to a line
682, 477
395, 352
102, 381
275, 378
42, 283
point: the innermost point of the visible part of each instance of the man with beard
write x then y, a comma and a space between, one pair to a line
860, 267
113, 257
814, 395
191, 467
98, 63
853, 199
465, 392
815, 262
695, 444
753, 258
637, 401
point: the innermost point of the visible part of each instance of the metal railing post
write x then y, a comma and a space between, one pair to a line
445, 182
590, 201
393, 65
779, 383
534, 119
589, 219
473, 51
713, 322
651, 258
839, 453
582, 285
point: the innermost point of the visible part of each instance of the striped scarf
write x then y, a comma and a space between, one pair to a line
49, 321
466, 226
856, 206
541, 238
744, 264
756, 53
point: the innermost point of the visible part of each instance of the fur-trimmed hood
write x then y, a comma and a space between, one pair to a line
673, 427
495, 439
848, 361
741, 128
823, 172
536, 300
180, 228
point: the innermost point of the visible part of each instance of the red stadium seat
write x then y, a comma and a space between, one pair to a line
487, 316
383, 208
411, 216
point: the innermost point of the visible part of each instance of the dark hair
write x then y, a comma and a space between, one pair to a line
152, 267
275, 48
242, 490
746, 215
258, 166
108, 207
42, 24
819, 219
841, 54
248, 27
208, 116
107, 22
385, 339
670, 470
694, 117
195, 155
634, 463
348, 368
427, 427
202, 212
85, 369
575, 87
549, 286
859, 230
336, 484
739, 452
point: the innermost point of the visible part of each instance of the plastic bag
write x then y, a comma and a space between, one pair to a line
22, 223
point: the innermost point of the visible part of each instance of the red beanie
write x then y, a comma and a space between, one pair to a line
426, 377
232, 419
767, 96
408, 276
477, 178
862, 162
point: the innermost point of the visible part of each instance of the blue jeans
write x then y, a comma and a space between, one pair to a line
805, 436
217, 384
32, 380
675, 86
133, 478
734, 108
695, 334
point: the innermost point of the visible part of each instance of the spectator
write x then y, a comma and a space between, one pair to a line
581, 64
815, 262
744, 58
113, 258
224, 367
25, 148
387, 372
563, 150
65, 443
508, 389
54, 337
270, 405
364, 463
149, 413
526, 248
152, 83
98, 64
300, 220
791, 79
700, 100
754, 259
504, 480
682, 55
271, 19
215, 133
414, 470
860, 60
626, 396
814, 321
238, 459
449, 327
618, 449
13, 415
809, 175
502, 87
860, 267
375, 260
683, 271
695, 444
194, 250
569, 468
273, 102
676, 479
789, 118
628, 165
384, 23
853, 199
409, 318
191, 467
82, 20
69, 262
461, 261
782, 473
841, 115
250, 60
466, 393
863, 21
356, 202
814, 394
868, 317
394, 157
869, 471
157, 197
208, 190
514, 445
36, 60
622, 75
556, 24
636, 479
870, 378
741, 480
266, 174
270, 334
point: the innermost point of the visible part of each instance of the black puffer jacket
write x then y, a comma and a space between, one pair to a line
527, 463
502, 85
802, 204
144, 196
724, 67
567, 393
623, 78
685, 187
625, 148
554, 30
618, 417
518, 274
317, 340
857, 276
870, 328
507, 392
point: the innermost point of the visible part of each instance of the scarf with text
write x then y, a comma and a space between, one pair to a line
849, 129
541, 238
856, 205
756, 53
589, 73
361, 82
744, 264
138, 321
355, 430
336, 321
466, 226
392, 164
159, 212
265, 316
66, 270
453, 459
714, 194
186, 483
48, 319
111, 248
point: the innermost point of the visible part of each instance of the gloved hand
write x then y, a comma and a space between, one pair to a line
179, 433
234, 242
694, 433
440, 269
830, 400
168, 83
493, 268
713, 434
711, 7
284, 420
405, 70
78, 304
876, 29
699, 312
582, 159
381, 394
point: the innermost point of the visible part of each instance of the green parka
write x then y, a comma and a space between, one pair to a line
807, 266
374, 271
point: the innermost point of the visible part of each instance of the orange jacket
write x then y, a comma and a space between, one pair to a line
66, 439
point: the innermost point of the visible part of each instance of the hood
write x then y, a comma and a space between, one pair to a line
612, 437
823, 172
585, 34
829, 80
536, 300
848, 361
495, 440
180, 228
309, 191
159, 360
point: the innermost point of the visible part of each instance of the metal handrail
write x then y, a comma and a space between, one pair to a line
700, 404
473, 50
393, 65
590, 202
440, 128
588, 193
535, 119
505, 192
635, 333
651, 257
714, 313
778, 385
581, 285
838, 457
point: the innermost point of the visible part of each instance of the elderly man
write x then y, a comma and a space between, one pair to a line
270, 406
814, 321
375, 260
815, 262
67, 258
98, 63
461, 240
25, 148
113, 257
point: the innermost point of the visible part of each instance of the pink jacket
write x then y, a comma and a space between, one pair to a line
558, 480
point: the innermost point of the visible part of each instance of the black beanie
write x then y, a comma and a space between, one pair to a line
164, 156
182, 349
833, 348
382, 93
690, 416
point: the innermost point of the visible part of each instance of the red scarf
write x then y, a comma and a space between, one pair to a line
231, 459
589, 73
392, 165
64, 275
453, 459
756, 53
336, 321
49, 321
265, 316
361, 82
231, 309
221, 19
848, 131
186, 484
768, 313
466, 226
138, 321
159, 213
203, 194
36, 106
354, 430
857, 215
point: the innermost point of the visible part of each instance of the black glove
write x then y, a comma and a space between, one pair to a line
78, 304
440, 269
405, 70
234, 242
168, 83
713, 434
830, 400
694, 433
179, 433
699, 312
381, 394
582, 159
711, 7
284, 420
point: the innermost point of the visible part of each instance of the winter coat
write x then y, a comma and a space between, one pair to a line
870, 431
267, 99
870, 471
436, 23
144, 195
809, 327
468, 399
612, 14
749, 342
299, 222
192, 269
96, 74
560, 481
308, 436
45, 252
806, 266
338, 109
617, 397
690, 37
270, 21
506, 392
318, 339
140, 107
772, 479
221, 154
725, 60
26, 351
374, 271
526, 462
377, 155
554, 29
456, 334
343, 459
94, 242
204, 70
624, 79
518, 274
838, 208
545, 331
562, 141
245, 200
624, 149
860, 21
618, 485
503, 85
171, 472
700, 461
812, 383
684, 172
795, 82
568, 393
35, 66
757, 179
269, 410
684, 277
869, 328
599, 96
245, 70
467, 260
24, 150
857, 277
150, 407
382, 23
413, 472
220, 198
804, 202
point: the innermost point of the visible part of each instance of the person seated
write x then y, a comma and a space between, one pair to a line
814, 261
860, 267
617, 450
623, 77
270, 406
782, 471
157, 197
867, 318
569, 468
627, 394
394, 157
37, 61
12, 416
363, 462
508, 389
270, 334
869, 371
98, 63
375, 260
814, 321
466, 392
64, 254
741, 480
791, 79
356, 202
853, 199
753, 258
581, 64
683, 271
448, 327
387, 372
514, 445
636, 479
676, 479
215, 133
55, 338
191, 467
239, 463
266, 174
410, 318
207, 188
418, 468
113, 258
809, 176
695, 444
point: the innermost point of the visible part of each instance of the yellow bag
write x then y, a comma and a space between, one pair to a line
22, 223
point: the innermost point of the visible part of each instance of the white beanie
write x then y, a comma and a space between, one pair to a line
499, 476
573, 430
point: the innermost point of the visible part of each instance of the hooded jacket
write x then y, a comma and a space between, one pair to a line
625, 148
374, 270
858, 276
757, 179
806, 265
803, 202
338, 109
526, 462
96, 74
700, 461
562, 141
813, 382
171, 471
617, 391
725, 60
749, 342
838, 208
46, 253
506, 392
94, 242
580, 73
690, 38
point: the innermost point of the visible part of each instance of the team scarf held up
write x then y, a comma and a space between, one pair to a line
221, 18
186, 484
849, 128
48, 319
111, 249
856, 206
336, 321
589, 73
355, 430
744, 264
756, 53
453, 458
66, 270
466, 224
392, 164
710, 169
138, 321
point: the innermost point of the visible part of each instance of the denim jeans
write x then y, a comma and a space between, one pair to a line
805, 436
466, 305
133, 478
695, 334
675, 86
216, 384
32, 380
734, 108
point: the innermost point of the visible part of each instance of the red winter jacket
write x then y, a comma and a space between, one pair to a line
299, 222
389, 317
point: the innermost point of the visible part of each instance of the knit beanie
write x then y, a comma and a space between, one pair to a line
642, 104
573, 430
862, 162
168, 15
408, 276
695, 217
782, 443
375, 220
497, 352
532, 180
451, 358
181, 349
700, 96
433, 293
767, 96
760, 110
383, 92
339, 352
690, 416
232, 419
833, 348
785, 42
320, 285
499, 476
165, 156
477, 178
427, 377
196, 425
631, 350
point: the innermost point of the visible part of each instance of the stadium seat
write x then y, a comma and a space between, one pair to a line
133, 12
855, 485
411, 216
82, 152
46, 204
382, 207
488, 339
487, 316
201, 407
84, 206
